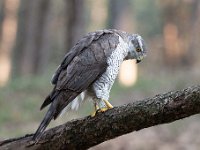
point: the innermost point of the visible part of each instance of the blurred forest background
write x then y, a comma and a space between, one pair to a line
36, 34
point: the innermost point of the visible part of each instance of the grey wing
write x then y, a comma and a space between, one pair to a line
77, 49
78, 75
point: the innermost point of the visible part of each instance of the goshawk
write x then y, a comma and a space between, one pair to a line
89, 70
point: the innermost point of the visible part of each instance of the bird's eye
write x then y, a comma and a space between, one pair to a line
138, 49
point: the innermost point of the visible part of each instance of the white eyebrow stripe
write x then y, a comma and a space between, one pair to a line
139, 38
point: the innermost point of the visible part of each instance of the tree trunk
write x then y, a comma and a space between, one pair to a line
194, 43
2, 9
31, 49
8, 27
177, 26
75, 21
36, 22
21, 37
120, 15
90, 131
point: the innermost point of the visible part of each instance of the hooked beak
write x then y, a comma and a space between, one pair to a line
138, 61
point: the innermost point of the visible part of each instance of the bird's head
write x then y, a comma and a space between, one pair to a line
137, 49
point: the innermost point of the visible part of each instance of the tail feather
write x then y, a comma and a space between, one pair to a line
46, 102
64, 99
49, 99
58, 100
48, 117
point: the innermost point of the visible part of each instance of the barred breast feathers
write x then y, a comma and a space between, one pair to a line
103, 85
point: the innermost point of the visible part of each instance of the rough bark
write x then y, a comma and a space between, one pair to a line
87, 132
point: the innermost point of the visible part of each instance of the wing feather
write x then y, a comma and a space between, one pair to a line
76, 50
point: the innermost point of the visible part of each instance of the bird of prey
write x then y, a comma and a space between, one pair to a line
89, 70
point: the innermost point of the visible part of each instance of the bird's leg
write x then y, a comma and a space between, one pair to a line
96, 107
107, 104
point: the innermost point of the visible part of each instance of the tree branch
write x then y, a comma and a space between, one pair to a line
87, 132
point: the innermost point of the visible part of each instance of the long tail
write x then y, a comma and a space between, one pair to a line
48, 117
58, 102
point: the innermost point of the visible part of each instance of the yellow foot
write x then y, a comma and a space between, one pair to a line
108, 105
99, 110
93, 114
103, 109
96, 107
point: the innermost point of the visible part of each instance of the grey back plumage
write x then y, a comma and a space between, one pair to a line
80, 46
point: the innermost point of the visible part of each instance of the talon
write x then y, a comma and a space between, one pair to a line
109, 106
93, 114
96, 108
103, 109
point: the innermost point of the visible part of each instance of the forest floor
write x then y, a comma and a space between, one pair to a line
20, 101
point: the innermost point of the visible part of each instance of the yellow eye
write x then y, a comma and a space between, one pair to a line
138, 49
